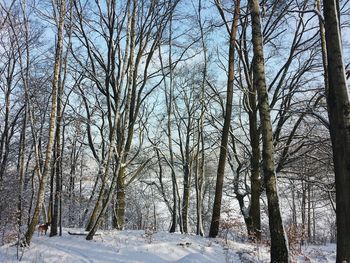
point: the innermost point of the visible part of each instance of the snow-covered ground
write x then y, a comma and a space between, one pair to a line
140, 246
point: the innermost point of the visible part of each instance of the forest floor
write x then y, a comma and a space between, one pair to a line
140, 246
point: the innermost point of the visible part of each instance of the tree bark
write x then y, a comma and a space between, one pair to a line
215, 221
52, 126
339, 119
279, 243
255, 166
120, 213
169, 108
200, 155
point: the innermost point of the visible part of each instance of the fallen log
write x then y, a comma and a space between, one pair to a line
80, 234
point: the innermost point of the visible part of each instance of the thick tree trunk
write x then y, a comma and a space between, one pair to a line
339, 119
215, 221
279, 243
120, 213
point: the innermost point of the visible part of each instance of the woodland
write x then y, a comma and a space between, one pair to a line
190, 116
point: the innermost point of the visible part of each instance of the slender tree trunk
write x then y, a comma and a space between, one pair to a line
52, 185
173, 177
21, 173
313, 221
199, 178
303, 211
161, 183
97, 206
309, 234
255, 166
200, 156
294, 212
99, 174
169, 103
339, 119
279, 243
98, 211
100, 208
4, 140
119, 152
32, 193
71, 183
323, 46
21, 160
56, 216
187, 167
185, 204
52, 126
57, 170
215, 221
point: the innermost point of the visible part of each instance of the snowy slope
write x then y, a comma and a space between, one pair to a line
138, 246
120, 246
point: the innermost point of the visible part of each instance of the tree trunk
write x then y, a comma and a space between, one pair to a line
21, 172
52, 126
200, 156
57, 171
187, 170
309, 234
323, 46
303, 211
294, 208
339, 119
185, 203
279, 243
168, 92
199, 177
215, 221
255, 166
92, 218
120, 213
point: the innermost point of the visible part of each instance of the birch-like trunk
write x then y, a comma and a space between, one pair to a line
52, 125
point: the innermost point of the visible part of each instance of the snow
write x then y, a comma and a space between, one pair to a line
133, 246
322, 254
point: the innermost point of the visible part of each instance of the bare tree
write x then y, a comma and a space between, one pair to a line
279, 243
339, 118
215, 221
61, 10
